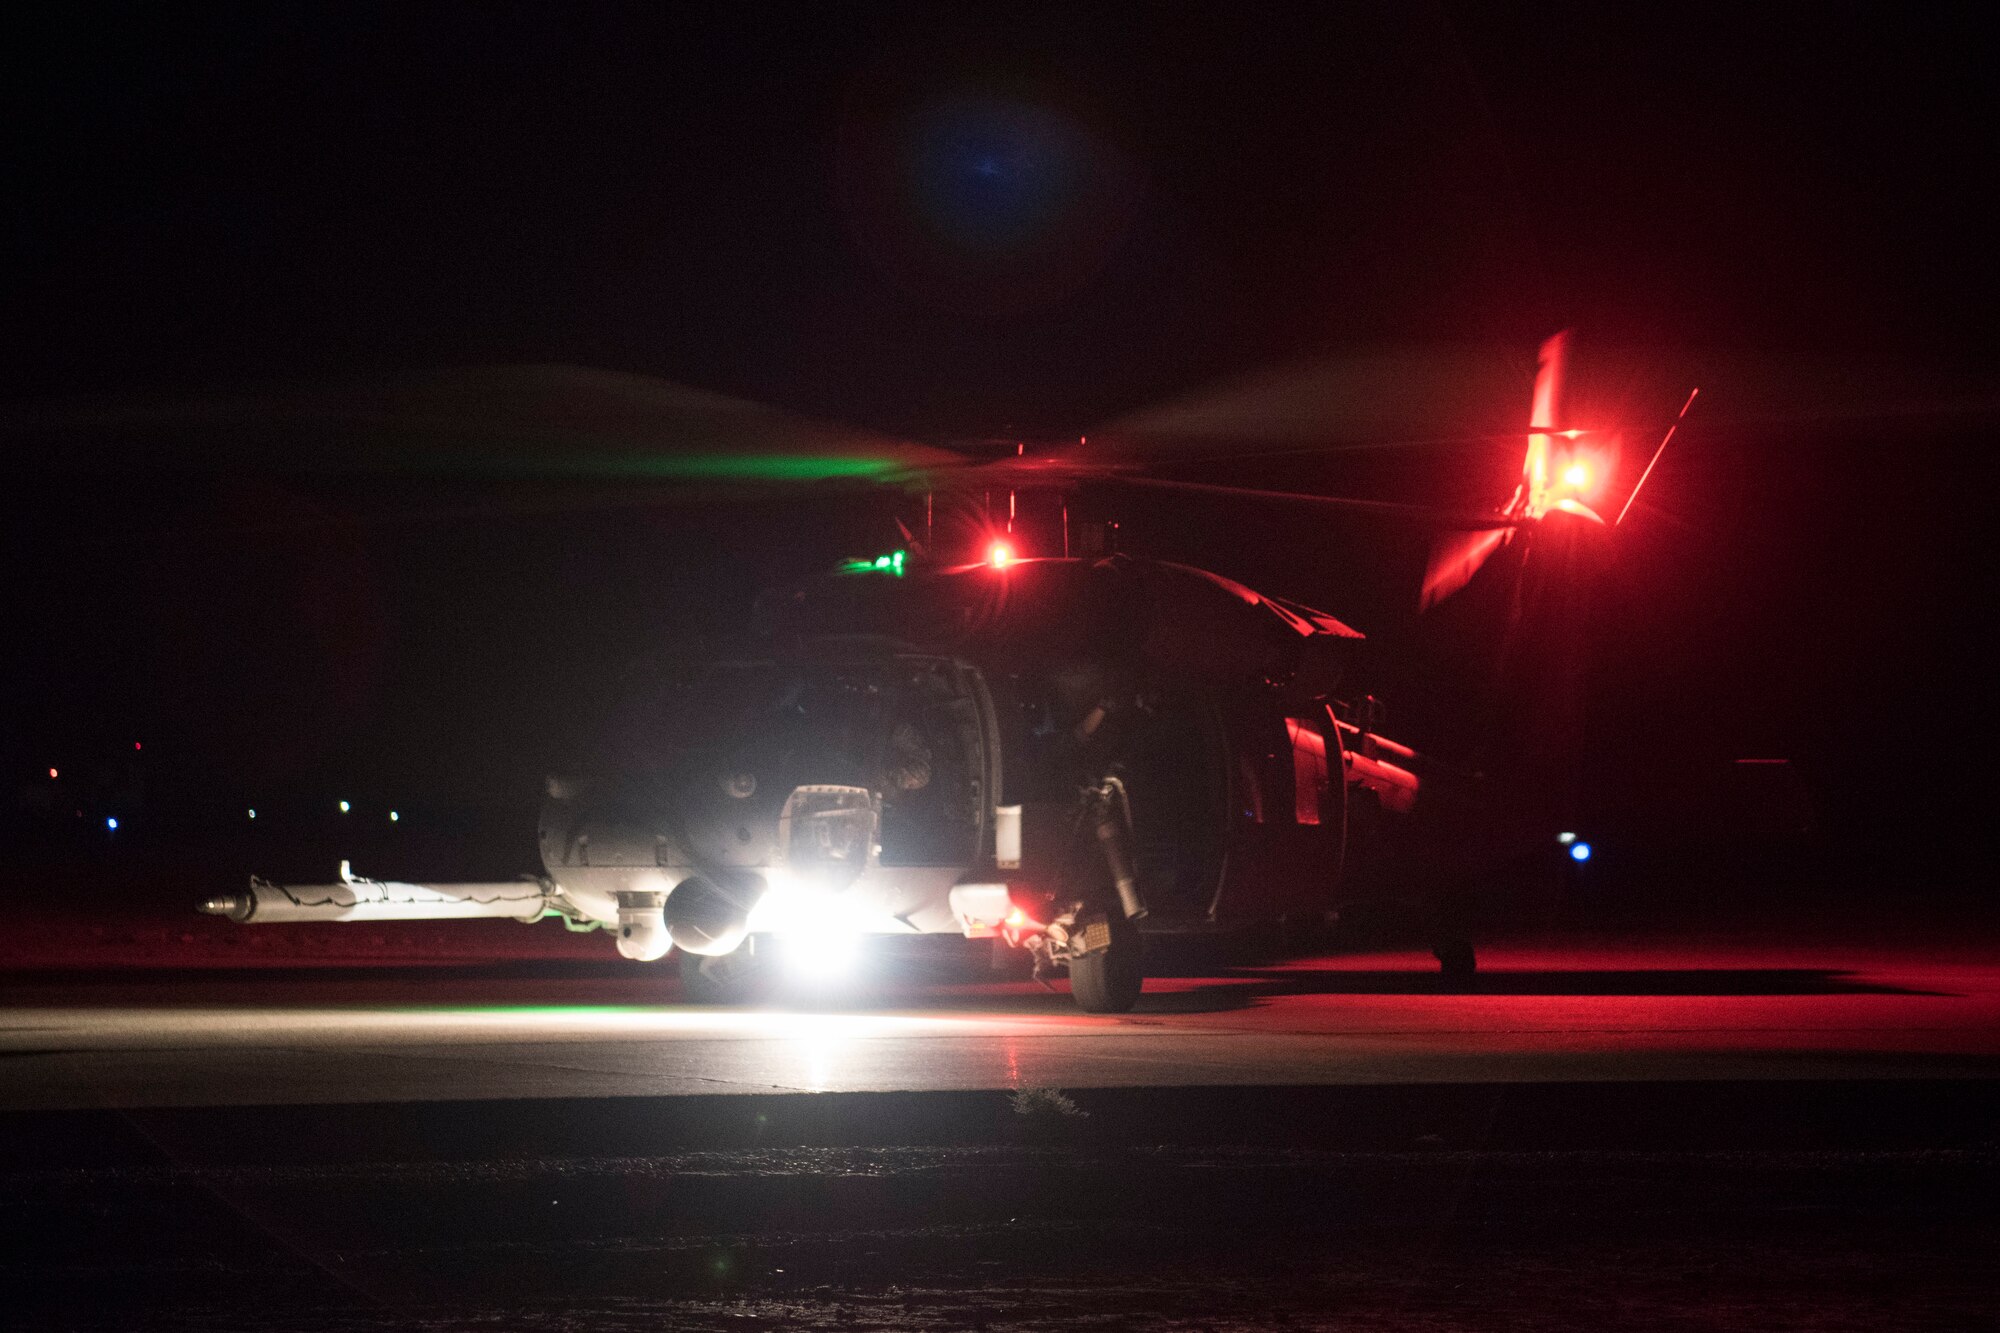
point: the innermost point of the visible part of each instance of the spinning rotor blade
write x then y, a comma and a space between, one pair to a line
1454, 518
528, 422
1455, 559
1346, 401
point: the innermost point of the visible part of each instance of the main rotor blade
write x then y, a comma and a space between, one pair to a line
1427, 514
1388, 399
544, 421
1361, 400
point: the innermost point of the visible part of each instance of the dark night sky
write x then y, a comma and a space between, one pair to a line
960, 222
770, 199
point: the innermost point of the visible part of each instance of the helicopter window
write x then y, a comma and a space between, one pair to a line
1250, 789
905, 729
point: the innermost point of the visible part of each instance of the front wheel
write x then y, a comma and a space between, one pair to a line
1109, 981
731, 978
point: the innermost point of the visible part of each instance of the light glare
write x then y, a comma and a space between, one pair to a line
820, 955
816, 935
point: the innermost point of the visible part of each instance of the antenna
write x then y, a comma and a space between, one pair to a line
1656, 455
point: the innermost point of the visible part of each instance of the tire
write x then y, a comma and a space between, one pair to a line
1456, 959
1109, 981
732, 978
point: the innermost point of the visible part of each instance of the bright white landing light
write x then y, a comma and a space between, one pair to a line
818, 955
814, 934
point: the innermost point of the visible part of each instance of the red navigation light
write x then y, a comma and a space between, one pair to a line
1000, 555
53, 773
1577, 476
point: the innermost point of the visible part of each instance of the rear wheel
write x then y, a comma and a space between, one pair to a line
1109, 981
1456, 960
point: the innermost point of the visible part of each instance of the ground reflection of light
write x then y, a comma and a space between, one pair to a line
821, 1052
820, 1037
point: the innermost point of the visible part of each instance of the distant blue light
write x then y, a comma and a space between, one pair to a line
1579, 851
111, 823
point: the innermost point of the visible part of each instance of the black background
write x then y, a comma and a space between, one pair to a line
966, 224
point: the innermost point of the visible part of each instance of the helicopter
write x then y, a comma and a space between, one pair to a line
1061, 753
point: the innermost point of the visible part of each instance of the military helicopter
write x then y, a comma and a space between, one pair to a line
1058, 747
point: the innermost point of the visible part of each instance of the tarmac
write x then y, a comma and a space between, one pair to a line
1583, 1012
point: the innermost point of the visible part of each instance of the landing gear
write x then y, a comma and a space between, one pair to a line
1108, 980
1456, 960
738, 977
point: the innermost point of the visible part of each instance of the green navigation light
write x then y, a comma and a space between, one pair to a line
891, 563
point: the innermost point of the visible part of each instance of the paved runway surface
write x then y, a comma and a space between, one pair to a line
1581, 1013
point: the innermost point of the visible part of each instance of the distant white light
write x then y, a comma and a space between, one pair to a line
253, 814
111, 823
1579, 851
1565, 838
393, 816
344, 807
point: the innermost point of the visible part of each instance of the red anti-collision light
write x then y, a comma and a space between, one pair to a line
1000, 555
